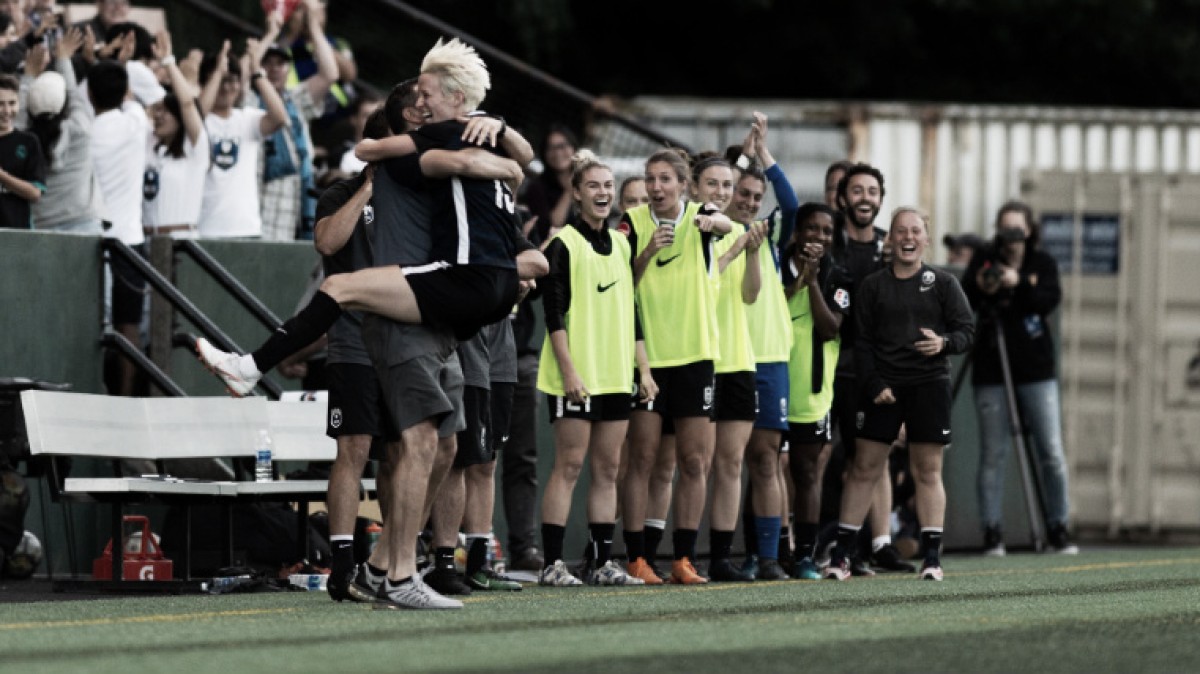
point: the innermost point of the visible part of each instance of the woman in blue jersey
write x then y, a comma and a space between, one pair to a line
586, 370
675, 271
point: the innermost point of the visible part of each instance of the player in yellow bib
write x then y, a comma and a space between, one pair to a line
675, 272
586, 370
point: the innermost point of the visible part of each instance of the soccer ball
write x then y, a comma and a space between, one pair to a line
24, 559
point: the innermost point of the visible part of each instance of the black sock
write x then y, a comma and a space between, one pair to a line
377, 572
552, 542
685, 543
931, 540
477, 551
343, 558
443, 559
635, 544
846, 541
806, 539
602, 538
785, 542
720, 543
652, 536
298, 331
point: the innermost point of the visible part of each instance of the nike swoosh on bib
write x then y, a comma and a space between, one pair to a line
796, 318
663, 263
601, 288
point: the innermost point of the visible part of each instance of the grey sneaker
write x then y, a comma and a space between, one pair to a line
413, 594
365, 587
611, 574
225, 366
557, 575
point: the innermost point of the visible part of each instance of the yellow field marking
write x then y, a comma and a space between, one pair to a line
1099, 566
158, 618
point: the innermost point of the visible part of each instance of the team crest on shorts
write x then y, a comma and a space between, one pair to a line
335, 417
927, 278
823, 422
708, 397
368, 214
483, 438
859, 420
842, 298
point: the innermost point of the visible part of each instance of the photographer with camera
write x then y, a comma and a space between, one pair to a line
1013, 284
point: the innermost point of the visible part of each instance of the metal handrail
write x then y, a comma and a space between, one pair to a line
111, 338
227, 280
182, 304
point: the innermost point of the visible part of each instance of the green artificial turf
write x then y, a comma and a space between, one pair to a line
1130, 610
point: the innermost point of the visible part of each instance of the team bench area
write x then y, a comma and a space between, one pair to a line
216, 433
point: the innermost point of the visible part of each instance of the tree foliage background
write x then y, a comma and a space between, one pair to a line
1135, 53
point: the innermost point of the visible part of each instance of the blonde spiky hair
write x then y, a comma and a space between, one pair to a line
459, 69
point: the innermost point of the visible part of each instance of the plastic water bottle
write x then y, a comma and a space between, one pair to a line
374, 531
225, 584
262, 461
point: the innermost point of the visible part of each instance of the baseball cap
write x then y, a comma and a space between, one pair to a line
279, 50
47, 94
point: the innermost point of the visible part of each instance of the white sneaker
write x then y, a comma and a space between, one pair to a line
611, 574
414, 594
931, 572
227, 367
996, 550
557, 575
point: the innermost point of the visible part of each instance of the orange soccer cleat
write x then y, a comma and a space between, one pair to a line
639, 568
683, 573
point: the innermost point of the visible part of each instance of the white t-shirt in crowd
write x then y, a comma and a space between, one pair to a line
173, 188
119, 161
230, 206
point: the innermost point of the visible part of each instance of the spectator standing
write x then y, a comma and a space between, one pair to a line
1014, 286
230, 207
22, 164
548, 195
61, 119
119, 162
176, 155
288, 202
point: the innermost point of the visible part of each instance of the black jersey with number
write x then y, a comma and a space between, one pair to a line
474, 221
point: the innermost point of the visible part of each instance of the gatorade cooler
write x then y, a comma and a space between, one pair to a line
142, 557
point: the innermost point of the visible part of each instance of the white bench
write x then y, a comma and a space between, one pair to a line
81, 425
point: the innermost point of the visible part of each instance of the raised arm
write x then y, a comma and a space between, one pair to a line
371, 150
327, 67
752, 280
193, 123
471, 163
208, 94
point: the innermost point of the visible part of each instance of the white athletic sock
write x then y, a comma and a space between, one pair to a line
340, 537
657, 524
880, 541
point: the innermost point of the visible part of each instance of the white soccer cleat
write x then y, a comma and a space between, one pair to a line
414, 594
557, 575
227, 367
931, 572
611, 574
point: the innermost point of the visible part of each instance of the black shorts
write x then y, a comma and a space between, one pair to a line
814, 433
606, 407
128, 289
923, 409
683, 391
355, 401
475, 445
464, 297
735, 397
502, 405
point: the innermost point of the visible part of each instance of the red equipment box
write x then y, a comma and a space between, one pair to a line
144, 561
